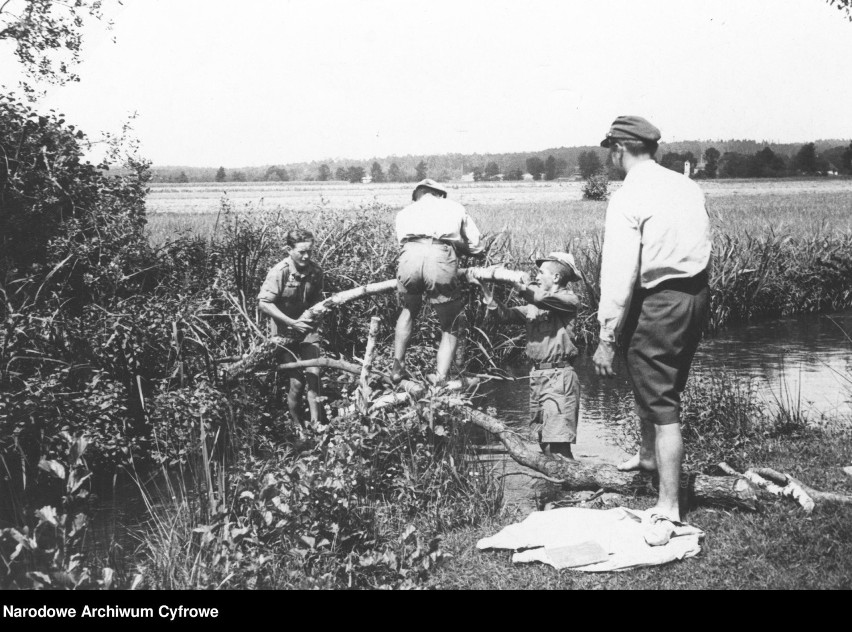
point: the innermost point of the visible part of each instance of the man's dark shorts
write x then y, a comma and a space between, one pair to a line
660, 337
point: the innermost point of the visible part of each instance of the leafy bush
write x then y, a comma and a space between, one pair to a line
596, 187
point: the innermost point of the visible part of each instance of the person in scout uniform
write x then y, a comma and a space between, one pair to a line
432, 231
654, 292
292, 286
549, 318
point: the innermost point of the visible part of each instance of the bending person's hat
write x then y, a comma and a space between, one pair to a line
567, 262
631, 128
428, 183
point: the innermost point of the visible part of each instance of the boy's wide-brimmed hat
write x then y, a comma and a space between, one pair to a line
429, 183
566, 260
631, 128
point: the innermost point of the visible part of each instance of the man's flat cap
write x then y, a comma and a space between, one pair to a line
631, 128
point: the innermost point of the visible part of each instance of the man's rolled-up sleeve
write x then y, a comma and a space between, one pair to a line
619, 265
271, 288
470, 233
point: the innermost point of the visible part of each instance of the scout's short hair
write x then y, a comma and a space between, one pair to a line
297, 236
638, 147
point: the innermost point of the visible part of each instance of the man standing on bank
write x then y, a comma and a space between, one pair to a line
432, 231
654, 292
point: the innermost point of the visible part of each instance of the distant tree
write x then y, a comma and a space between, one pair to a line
733, 164
276, 174
421, 170
550, 168
805, 159
711, 162
394, 174
376, 173
220, 175
324, 173
182, 177
676, 161
589, 163
766, 164
492, 169
355, 174
341, 174
478, 174
238, 176
515, 174
561, 167
846, 160
535, 166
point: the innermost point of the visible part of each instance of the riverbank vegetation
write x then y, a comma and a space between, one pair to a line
114, 329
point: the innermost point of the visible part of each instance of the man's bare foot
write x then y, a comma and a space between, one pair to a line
398, 373
638, 464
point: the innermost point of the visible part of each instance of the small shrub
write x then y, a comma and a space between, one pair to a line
596, 187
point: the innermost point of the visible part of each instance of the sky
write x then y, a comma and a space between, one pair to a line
261, 82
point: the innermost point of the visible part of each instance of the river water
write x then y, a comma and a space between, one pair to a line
806, 360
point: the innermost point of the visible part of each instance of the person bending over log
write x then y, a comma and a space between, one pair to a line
549, 318
291, 287
432, 231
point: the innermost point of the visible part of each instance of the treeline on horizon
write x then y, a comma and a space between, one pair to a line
723, 159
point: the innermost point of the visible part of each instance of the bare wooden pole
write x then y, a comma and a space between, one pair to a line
364, 382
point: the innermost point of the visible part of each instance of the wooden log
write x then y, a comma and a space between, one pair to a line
798, 486
713, 490
364, 382
264, 354
495, 274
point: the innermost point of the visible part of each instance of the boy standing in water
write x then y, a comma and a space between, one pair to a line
549, 318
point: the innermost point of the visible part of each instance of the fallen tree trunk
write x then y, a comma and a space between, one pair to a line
713, 490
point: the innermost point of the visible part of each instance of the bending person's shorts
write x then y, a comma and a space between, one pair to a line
661, 335
428, 267
554, 405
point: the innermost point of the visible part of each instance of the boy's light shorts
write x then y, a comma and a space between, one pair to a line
428, 267
554, 405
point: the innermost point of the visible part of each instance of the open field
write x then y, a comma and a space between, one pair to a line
541, 216
205, 197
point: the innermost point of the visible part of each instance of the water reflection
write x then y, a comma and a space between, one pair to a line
804, 359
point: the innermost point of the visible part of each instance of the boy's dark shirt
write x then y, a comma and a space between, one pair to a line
549, 318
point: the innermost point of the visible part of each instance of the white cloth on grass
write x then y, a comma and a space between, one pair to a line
591, 540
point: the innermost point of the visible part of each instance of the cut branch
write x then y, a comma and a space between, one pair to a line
364, 382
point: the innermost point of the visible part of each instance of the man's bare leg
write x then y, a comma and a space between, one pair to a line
313, 390
404, 327
646, 458
311, 351
449, 316
294, 400
669, 453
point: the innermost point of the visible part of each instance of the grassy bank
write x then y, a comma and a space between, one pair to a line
776, 548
